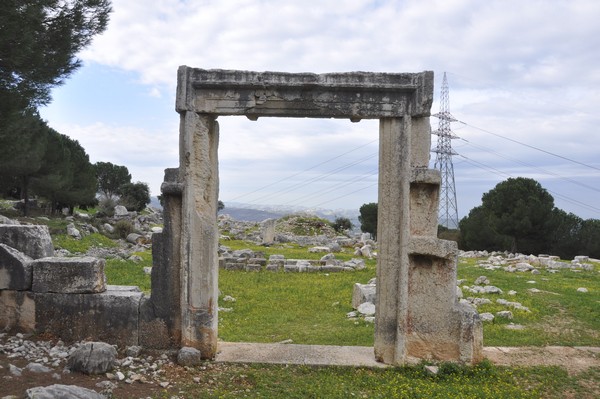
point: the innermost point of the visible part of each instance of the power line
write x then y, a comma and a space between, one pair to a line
504, 174
530, 146
317, 178
304, 171
531, 166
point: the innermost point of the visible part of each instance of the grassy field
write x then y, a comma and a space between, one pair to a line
310, 308
482, 381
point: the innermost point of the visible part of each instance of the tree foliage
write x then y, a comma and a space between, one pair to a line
340, 224
111, 178
38, 43
368, 218
134, 196
521, 209
38, 160
23, 144
519, 215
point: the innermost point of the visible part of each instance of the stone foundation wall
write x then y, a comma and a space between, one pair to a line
67, 297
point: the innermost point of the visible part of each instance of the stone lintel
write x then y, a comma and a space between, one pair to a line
354, 95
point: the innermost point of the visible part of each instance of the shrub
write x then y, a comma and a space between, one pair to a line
107, 206
123, 228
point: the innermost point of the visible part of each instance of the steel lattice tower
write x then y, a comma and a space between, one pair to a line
448, 211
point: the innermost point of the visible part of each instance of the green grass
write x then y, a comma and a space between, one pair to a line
84, 244
126, 272
308, 308
481, 381
559, 314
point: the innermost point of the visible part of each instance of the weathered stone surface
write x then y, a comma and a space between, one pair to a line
15, 269
72, 231
33, 240
17, 311
58, 391
93, 358
366, 308
120, 210
189, 357
418, 315
268, 231
353, 95
363, 293
160, 314
111, 316
69, 275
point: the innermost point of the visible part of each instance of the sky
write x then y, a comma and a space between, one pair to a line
524, 84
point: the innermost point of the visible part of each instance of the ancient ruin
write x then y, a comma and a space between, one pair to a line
417, 310
418, 315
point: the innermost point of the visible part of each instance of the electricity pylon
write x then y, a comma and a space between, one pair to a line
448, 210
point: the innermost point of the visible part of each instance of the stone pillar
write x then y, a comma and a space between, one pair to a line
268, 231
418, 315
160, 314
199, 137
392, 235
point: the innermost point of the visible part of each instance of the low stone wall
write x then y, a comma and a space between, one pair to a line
67, 297
249, 260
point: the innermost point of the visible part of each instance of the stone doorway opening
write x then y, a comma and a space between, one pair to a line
319, 162
417, 311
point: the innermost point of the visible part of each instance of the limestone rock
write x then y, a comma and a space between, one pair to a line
121, 211
15, 269
505, 314
490, 289
32, 240
108, 228
93, 358
356, 264
58, 391
367, 309
363, 293
69, 275
486, 316
37, 368
72, 231
189, 357
482, 280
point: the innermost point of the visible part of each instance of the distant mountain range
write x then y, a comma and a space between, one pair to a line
258, 213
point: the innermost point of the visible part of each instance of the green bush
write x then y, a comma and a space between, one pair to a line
123, 228
107, 207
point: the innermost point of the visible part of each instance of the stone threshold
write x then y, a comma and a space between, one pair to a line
363, 356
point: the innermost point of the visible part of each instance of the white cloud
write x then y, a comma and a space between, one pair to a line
527, 70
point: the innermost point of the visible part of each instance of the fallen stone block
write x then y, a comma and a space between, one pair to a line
93, 358
32, 240
62, 391
363, 293
15, 269
189, 357
111, 316
69, 275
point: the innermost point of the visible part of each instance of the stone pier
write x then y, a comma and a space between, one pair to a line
418, 315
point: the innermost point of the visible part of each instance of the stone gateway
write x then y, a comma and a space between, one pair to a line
418, 315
